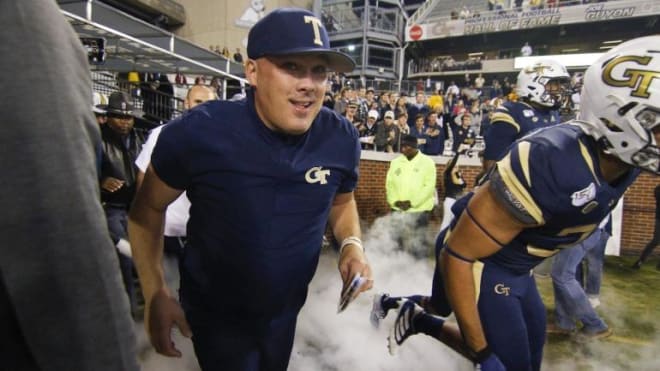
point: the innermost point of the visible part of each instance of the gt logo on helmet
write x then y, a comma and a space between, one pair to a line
637, 79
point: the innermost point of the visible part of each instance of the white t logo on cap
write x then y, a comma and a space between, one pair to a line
316, 23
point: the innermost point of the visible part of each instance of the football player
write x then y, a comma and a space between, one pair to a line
540, 87
549, 191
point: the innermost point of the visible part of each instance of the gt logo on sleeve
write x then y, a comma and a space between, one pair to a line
316, 24
638, 79
317, 175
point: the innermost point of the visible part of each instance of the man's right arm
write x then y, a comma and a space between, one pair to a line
145, 229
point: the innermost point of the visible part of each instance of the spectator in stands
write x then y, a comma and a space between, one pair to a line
401, 106
419, 131
410, 182
367, 103
436, 100
386, 102
434, 133
464, 135
369, 128
496, 91
404, 129
346, 95
61, 304
386, 133
225, 52
200, 80
419, 107
453, 89
180, 79
238, 57
121, 143
351, 112
526, 50
479, 83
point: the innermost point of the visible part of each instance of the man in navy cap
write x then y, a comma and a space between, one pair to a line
264, 175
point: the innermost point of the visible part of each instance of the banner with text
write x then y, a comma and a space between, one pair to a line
508, 20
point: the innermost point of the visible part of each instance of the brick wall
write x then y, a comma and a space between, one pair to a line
638, 209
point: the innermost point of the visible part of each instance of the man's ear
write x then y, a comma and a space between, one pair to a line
251, 72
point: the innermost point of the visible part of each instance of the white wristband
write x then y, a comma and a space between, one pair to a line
352, 240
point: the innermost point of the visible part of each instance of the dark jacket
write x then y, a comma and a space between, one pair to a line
118, 161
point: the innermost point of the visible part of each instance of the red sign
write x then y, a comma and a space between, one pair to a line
416, 32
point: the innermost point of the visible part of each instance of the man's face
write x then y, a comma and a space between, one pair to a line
388, 121
122, 124
419, 98
289, 90
432, 119
408, 151
197, 95
466, 120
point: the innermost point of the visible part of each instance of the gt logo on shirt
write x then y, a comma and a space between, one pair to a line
317, 175
502, 290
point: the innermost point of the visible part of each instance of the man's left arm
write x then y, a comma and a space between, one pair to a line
345, 224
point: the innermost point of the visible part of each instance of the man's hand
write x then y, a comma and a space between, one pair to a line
353, 261
111, 184
403, 205
161, 314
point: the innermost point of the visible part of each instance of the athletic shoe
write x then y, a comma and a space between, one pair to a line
637, 265
556, 330
594, 301
403, 325
583, 336
377, 310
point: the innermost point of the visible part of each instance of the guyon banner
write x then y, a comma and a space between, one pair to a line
510, 19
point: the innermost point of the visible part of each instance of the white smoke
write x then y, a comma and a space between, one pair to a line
327, 341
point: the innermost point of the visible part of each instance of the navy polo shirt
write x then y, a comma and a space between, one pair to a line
259, 203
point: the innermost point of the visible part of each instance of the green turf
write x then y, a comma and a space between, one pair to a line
630, 304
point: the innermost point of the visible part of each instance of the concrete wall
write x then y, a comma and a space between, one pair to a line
638, 209
219, 22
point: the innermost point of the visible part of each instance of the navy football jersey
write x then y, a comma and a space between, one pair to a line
259, 202
551, 181
510, 122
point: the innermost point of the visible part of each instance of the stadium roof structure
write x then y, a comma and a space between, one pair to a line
134, 45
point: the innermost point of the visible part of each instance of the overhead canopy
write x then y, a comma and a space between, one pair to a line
134, 45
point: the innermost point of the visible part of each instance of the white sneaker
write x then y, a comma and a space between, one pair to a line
377, 310
594, 301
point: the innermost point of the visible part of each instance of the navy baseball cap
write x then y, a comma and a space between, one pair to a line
290, 31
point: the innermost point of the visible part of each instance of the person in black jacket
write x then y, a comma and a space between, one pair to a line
121, 144
655, 240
